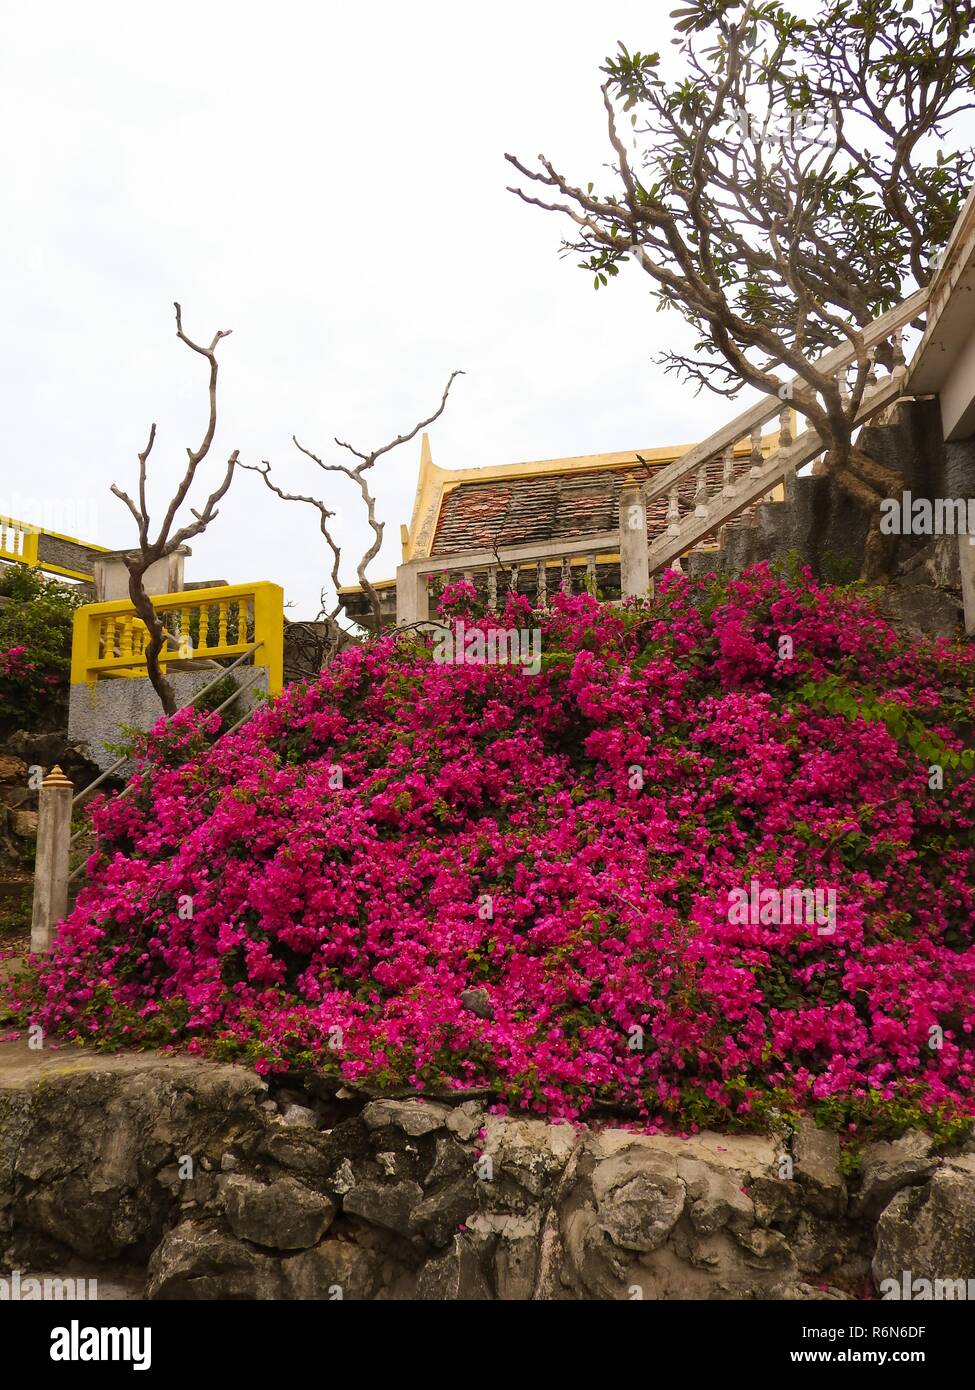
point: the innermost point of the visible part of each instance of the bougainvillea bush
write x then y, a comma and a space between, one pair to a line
412, 874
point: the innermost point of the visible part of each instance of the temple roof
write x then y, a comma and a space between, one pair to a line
464, 509
508, 504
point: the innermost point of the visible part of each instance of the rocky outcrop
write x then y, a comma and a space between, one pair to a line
928, 1230
219, 1186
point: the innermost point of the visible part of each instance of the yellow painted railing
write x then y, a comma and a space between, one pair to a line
23, 543
18, 541
202, 624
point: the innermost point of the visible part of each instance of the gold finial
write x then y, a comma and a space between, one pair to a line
56, 778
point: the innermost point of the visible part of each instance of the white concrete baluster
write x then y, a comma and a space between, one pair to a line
728, 471
786, 427
897, 343
701, 493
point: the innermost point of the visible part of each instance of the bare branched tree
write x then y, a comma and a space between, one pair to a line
792, 184
336, 635
167, 540
357, 474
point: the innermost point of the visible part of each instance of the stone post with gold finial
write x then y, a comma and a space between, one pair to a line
51, 862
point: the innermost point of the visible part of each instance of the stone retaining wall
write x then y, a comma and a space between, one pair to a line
219, 1188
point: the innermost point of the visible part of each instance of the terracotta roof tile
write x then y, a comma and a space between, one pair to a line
514, 511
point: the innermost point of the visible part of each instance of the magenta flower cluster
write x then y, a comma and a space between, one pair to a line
434, 876
15, 664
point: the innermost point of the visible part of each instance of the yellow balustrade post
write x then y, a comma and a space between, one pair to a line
206, 612
84, 634
269, 631
185, 642
29, 544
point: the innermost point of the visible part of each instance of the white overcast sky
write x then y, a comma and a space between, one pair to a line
327, 181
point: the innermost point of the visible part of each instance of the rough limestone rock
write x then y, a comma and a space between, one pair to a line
23, 824
823, 1246
929, 1232
665, 1218
302, 1150
525, 1156
298, 1115
390, 1205
93, 1140
715, 1199
440, 1212
817, 1169
12, 770
516, 1264
886, 1168
412, 1116
639, 1198
455, 1276
280, 1215
478, 1001
335, 1270
193, 1262
466, 1120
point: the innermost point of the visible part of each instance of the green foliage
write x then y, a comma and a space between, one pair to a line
874, 1116
837, 696
839, 569
214, 698
35, 647
39, 618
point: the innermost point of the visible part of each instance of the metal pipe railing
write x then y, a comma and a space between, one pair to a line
239, 690
224, 671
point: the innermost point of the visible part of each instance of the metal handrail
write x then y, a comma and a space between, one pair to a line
224, 671
240, 690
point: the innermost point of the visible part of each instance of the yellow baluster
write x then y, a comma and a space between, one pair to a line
222, 623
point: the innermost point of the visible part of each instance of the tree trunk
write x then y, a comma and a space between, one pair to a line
157, 640
867, 483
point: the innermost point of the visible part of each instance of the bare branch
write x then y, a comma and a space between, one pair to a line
167, 543
356, 474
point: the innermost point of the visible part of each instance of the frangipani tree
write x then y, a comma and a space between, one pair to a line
792, 182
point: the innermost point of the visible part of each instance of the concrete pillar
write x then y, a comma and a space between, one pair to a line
51, 863
966, 563
111, 577
412, 596
634, 563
